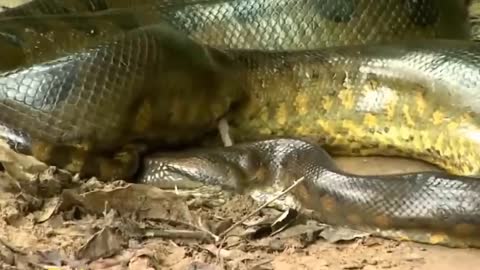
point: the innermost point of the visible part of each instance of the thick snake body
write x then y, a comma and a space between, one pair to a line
429, 207
91, 92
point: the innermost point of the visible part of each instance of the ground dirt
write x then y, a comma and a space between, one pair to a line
54, 221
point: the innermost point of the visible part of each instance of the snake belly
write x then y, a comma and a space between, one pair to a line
384, 108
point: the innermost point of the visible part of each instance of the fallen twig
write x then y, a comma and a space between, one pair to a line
202, 228
293, 185
223, 236
185, 234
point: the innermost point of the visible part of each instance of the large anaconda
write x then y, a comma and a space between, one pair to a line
78, 89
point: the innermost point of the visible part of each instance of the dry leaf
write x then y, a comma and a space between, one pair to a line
21, 167
104, 243
338, 234
48, 210
145, 201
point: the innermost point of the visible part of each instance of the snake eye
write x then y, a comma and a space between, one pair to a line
339, 11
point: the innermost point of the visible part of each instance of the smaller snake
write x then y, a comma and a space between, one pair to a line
428, 207
86, 92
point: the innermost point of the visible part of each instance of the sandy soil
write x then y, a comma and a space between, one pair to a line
54, 221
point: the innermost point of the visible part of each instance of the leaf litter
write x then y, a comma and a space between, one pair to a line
53, 220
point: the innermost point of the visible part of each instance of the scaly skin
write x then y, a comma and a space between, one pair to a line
58, 37
429, 207
415, 99
474, 14
92, 102
384, 99
306, 24
25, 40
131, 89
52, 7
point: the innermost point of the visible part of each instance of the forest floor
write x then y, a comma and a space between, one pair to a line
54, 221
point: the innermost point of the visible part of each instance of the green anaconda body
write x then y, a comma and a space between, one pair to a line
306, 24
93, 105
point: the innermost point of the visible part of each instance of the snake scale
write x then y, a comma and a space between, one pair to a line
98, 86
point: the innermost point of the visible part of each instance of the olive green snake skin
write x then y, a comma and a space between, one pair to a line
93, 89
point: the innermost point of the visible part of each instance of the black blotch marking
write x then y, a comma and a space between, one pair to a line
339, 11
314, 75
249, 15
423, 12
356, 151
437, 152
433, 151
332, 93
